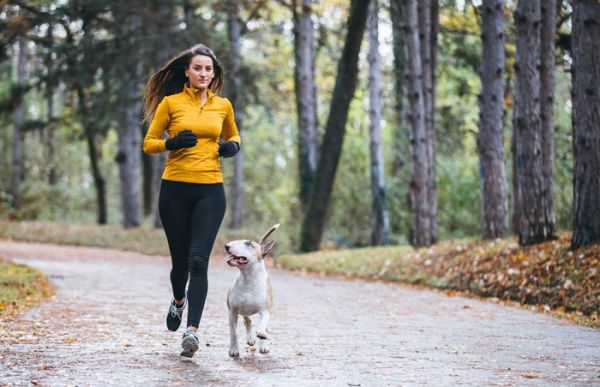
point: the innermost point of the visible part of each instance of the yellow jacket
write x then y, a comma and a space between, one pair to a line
184, 110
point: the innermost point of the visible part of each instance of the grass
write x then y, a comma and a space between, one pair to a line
146, 240
21, 286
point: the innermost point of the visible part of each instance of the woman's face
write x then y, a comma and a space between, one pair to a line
200, 72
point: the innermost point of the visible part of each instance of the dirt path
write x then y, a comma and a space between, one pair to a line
105, 326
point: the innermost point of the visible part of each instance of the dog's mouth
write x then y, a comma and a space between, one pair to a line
234, 260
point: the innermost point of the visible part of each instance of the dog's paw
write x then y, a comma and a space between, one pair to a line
263, 346
261, 335
234, 352
251, 341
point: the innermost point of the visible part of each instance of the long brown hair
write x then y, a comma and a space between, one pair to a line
171, 78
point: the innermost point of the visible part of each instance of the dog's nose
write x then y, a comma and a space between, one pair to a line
227, 248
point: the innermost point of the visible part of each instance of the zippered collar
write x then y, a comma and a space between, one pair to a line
195, 93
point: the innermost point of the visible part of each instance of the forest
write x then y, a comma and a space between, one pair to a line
362, 122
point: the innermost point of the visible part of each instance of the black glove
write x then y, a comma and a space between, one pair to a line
184, 139
229, 148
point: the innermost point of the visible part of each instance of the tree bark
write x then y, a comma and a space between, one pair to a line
426, 9
345, 84
99, 181
528, 179
398, 158
129, 134
51, 126
158, 166
434, 27
586, 122
129, 159
237, 193
420, 203
547, 65
18, 120
490, 144
306, 103
381, 226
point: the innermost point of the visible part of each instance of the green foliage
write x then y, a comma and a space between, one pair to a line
103, 61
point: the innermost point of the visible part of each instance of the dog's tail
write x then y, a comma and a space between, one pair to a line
264, 237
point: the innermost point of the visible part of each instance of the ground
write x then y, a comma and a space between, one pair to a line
105, 326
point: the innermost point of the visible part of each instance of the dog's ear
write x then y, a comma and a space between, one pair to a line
261, 241
266, 248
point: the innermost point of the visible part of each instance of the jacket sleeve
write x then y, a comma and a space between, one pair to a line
230, 130
154, 141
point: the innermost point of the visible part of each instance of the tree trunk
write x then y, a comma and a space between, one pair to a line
99, 181
129, 134
129, 160
148, 193
586, 122
237, 193
51, 126
306, 103
18, 121
422, 229
381, 226
398, 158
431, 136
547, 60
425, 11
345, 84
158, 166
528, 184
490, 144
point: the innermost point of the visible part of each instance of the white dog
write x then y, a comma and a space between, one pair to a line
251, 291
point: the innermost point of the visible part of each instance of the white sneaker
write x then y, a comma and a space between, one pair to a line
190, 343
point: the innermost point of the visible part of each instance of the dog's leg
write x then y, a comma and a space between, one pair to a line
261, 330
249, 335
234, 350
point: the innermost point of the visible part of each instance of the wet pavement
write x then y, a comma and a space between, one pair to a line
105, 326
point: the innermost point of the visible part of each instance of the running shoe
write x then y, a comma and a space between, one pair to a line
174, 315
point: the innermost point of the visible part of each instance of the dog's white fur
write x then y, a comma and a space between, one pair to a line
251, 292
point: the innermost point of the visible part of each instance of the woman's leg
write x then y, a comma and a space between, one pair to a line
175, 215
206, 220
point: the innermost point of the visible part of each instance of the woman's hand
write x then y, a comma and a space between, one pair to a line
229, 148
184, 139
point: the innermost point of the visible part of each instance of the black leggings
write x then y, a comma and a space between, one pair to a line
191, 215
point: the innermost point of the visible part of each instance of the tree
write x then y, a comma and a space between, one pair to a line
427, 11
129, 74
420, 198
18, 121
586, 122
494, 204
530, 198
547, 61
381, 226
345, 84
398, 160
306, 100
237, 202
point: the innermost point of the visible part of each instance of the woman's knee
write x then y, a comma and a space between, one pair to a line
198, 264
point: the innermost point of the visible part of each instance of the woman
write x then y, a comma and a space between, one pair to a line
182, 100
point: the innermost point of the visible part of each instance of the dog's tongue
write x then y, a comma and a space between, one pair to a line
233, 260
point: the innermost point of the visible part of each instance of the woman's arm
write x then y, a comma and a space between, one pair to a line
154, 141
230, 130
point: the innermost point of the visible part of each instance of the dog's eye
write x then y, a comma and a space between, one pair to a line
249, 243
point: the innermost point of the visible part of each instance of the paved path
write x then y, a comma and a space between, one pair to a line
105, 326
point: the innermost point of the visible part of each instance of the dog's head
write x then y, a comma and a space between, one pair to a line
246, 252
